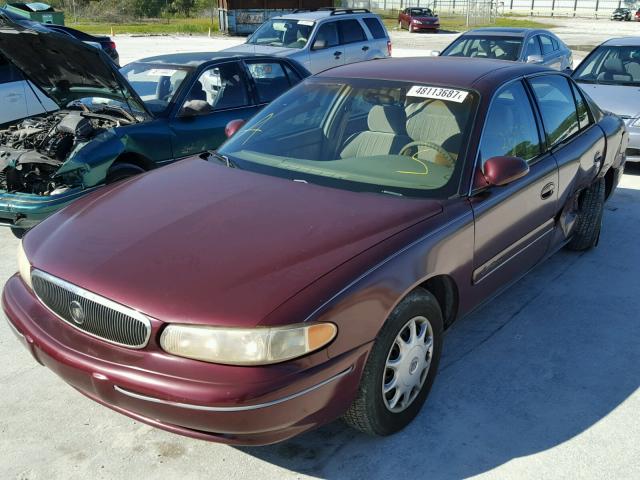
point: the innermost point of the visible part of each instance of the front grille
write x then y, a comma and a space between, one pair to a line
633, 152
94, 315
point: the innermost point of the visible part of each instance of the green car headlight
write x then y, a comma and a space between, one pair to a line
24, 266
245, 346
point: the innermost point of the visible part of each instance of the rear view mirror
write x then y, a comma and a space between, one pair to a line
535, 59
503, 170
232, 127
319, 44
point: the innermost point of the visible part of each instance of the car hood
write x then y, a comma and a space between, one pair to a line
201, 243
61, 66
261, 49
621, 100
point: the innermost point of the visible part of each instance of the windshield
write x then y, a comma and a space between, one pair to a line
282, 33
155, 84
501, 48
612, 66
390, 137
420, 12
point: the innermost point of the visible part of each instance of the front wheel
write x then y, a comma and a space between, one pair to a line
589, 221
411, 30
400, 25
401, 367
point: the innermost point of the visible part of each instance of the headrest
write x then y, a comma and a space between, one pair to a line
387, 119
614, 66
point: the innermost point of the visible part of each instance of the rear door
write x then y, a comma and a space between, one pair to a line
575, 140
326, 51
219, 94
12, 93
513, 223
353, 40
379, 44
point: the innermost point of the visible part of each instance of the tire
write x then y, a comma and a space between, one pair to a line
589, 221
120, 171
370, 412
400, 25
411, 28
18, 232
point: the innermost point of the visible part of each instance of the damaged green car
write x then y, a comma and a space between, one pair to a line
111, 124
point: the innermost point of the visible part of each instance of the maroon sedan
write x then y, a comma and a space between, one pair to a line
307, 270
415, 19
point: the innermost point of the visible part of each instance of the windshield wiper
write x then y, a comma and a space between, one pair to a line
221, 159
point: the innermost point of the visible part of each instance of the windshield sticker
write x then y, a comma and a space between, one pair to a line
306, 22
447, 94
161, 72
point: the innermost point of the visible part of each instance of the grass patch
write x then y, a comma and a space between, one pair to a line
458, 23
193, 26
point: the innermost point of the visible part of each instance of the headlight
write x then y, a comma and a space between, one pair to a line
245, 346
24, 266
634, 122
417, 22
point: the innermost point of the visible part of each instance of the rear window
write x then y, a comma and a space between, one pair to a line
375, 27
351, 31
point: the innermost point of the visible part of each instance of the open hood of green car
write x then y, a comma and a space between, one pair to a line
64, 68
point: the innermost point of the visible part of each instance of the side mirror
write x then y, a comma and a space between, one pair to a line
503, 170
435, 53
232, 127
319, 44
194, 108
535, 59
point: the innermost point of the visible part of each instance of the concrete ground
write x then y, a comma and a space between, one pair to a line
541, 383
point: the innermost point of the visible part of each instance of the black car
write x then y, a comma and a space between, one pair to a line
108, 45
621, 14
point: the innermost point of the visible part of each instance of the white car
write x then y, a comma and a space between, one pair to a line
18, 98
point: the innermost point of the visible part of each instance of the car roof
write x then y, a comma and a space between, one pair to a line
455, 72
503, 31
195, 59
314, 16
623, 42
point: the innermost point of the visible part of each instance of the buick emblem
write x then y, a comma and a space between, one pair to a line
77, 312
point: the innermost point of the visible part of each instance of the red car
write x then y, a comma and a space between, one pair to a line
307, 270
415, 19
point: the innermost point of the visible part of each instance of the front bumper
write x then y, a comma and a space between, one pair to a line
254, 412
24, 210
426, 26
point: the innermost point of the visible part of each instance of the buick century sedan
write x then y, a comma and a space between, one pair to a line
308, 269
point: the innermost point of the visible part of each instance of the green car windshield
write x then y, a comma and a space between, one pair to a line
390, 137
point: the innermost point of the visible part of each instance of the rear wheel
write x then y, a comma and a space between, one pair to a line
120, 171
589, 221
401, 367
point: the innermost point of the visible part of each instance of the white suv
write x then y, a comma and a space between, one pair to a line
321, 39
17, 98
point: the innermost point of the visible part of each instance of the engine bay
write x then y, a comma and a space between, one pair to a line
33, 150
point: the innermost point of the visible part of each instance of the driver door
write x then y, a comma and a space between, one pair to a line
326, 50
514, 222
219, 95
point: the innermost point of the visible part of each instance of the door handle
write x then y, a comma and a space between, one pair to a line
365, 48
337, 54
547, 190
597, 158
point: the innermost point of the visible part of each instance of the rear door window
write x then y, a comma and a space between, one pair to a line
351, 32
375, 27
557, 107
270, 80
547, 45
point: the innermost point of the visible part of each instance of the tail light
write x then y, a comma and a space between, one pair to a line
389, 48
111, 45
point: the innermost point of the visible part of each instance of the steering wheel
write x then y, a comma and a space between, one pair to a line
431, 146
